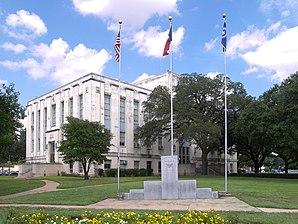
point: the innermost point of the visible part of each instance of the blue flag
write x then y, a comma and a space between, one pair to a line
224, 37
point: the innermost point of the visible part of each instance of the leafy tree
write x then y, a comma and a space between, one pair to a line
85, 142
198, 112
283, 103
253, 133
156, 116
198, 102
11, 112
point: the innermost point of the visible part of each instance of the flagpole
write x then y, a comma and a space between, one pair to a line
171, 91
226, 120
118, 156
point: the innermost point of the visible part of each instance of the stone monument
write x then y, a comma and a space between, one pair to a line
169, 187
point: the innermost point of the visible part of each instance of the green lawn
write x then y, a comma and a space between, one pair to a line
11, 185
259, 192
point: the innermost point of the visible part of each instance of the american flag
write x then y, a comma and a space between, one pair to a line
117, 48
224, 37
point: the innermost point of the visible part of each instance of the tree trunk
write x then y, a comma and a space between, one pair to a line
86, 171
256, 165
204, 162
286, 166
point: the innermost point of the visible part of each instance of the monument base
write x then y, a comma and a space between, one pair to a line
170, 187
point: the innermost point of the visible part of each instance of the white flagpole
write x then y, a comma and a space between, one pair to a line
226, 119
171, 90
118, 156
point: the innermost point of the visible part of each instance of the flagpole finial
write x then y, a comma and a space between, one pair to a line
170, 18
119, 21
224, 15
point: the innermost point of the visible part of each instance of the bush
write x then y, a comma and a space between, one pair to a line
100, 172
111, 172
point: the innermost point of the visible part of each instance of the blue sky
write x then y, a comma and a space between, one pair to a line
47, 43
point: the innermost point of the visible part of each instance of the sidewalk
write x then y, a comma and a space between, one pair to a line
221, 204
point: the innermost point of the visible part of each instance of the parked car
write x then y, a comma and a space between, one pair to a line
10, 173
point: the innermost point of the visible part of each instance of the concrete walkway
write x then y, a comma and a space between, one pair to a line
221, 204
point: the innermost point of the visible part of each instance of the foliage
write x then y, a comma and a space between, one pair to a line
85, 142
283, 103
254, 133
128, 172
11, 112
198, 112
208, 217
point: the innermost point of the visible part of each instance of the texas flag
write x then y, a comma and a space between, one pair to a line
168, 43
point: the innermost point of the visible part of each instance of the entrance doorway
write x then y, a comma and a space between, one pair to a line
52, 152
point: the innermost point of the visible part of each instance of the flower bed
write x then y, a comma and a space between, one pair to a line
121, 217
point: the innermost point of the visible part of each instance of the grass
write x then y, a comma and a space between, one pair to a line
11, 185
75, 182
258, 192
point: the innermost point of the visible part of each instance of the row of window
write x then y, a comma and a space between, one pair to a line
107, 118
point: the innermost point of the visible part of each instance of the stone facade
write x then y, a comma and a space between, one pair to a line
95, 97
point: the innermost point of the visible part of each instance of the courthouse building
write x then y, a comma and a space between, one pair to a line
96, 98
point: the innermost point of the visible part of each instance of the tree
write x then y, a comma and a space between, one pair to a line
11, 112
198, 112
156, 116
198, 102
253, 133
283, 103
85, 142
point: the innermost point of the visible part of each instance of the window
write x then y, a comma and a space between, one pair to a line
62, 112
135, 123
107, 164
136, 164
123, 164
149, 164
32, 120
32, 132
80, 167
122, 110
53, 113
122, 138
184, 155
136, 113
107, 111
71, 107
159, 142
45, 119
122, 122
38, 130
81, 106
71, 167
159, 166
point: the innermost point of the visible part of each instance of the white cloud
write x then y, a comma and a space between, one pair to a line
286, 13
16, 48
151, 42
134, 13
277, 56
23, 25
60, 63
282, 8
210, 44
250, 38
142, 77
250, 70
212, 75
